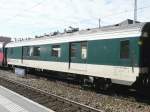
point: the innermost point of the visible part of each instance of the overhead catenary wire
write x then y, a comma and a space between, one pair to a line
113, 15
39, 3
68, 20
25, 10
126, 11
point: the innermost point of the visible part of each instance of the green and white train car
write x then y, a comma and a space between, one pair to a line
119, 54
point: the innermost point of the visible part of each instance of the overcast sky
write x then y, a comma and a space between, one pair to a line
27, 18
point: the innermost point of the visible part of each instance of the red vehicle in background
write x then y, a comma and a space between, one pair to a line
1, 53
3, 42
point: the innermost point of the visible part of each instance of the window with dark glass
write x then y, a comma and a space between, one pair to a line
26, 51
73, 50
36, 51
11, 51
56, 51
31, 51
124, 49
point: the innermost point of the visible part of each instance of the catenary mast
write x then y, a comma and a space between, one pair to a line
135, 11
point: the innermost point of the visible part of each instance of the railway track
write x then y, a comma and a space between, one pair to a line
54, 102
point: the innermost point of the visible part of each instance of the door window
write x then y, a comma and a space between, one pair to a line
124, 49
73, 50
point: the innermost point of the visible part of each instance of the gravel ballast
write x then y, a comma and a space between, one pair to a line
87, 97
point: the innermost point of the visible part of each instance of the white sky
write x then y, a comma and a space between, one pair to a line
27, 18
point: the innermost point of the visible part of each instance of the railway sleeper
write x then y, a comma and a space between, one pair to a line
44, 101
39, 98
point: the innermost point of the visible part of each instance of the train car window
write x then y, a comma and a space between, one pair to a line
56, 51
124, 49
11, 51
83, 50
31, 51
36, 51
26, 51
73, 50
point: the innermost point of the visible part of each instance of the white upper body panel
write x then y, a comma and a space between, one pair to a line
97, 35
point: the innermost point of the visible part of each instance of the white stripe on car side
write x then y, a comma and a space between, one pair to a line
106, 71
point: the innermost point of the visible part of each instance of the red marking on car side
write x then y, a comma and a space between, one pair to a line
1, 56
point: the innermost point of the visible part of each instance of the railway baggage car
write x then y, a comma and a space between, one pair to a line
117, 54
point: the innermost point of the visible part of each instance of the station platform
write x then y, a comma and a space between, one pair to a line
13, 102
